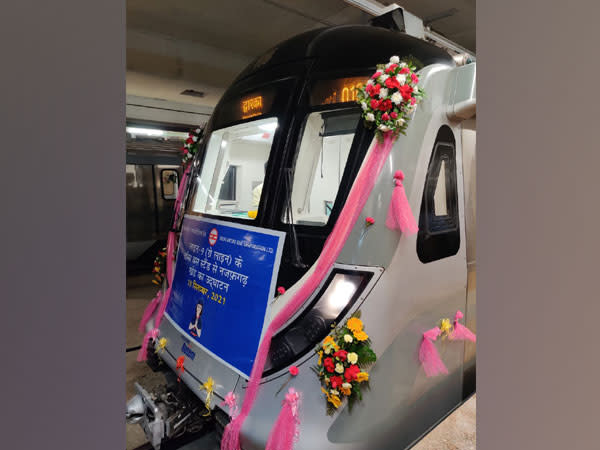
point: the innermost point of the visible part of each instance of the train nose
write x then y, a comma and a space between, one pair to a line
135, 409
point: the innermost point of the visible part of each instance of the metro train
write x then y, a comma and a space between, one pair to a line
291, 127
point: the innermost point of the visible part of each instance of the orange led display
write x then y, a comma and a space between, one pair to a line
341, 90
252, 106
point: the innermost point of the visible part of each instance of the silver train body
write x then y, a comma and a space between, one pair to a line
415, 281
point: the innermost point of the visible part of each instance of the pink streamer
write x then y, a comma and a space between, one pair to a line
286, 429
429, 356
333, 246
231, 402
461, 333
149, 311
400, 216
143, 354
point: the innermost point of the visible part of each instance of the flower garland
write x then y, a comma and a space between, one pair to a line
160, 264
390, 97
190, 147
343, 356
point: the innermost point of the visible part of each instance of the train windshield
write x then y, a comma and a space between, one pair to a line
320, 165
231, 180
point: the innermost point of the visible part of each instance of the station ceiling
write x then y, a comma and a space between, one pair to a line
202, 45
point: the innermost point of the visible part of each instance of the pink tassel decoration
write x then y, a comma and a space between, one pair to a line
429, 356
231, 402
286, 429
149, 311
461, 333
143, 354
400, 216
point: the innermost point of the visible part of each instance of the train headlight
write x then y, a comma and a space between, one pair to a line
337, 296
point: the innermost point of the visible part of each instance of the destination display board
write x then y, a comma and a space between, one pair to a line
225, 276
339, 90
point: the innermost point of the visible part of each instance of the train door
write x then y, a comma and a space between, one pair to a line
166, 181
140, 216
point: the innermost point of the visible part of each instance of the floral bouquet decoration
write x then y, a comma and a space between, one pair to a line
390, 97
344, 357
191, 144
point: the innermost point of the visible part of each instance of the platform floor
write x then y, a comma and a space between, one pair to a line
456, 432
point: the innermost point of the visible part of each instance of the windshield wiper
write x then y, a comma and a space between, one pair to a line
296, 257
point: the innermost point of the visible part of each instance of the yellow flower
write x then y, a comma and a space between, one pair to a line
445, 326
334, 400
352, 358
362, 376
320, 358
361, 335
345, 391
354, 324
329, 345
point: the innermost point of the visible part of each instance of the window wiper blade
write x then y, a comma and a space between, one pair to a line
296, 257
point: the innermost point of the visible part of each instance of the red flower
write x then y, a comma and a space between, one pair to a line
394, 115
293, 370
404, 70
385, 116
406, 90
414, 78
281, 290
189, 140
385, 105
391, 68
341, 354
336, 381
329, 365
375, 90
392, 83
351, 372
376, 74
413, 100
370, 220
374, 104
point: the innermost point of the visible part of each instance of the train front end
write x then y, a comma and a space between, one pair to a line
276, 165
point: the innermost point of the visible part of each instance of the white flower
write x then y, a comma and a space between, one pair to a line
327, 350
353, 357
382, 78
370, 117
416, 90
388, 64
347, 338
194, 138
339, 368
403, 65
384, 128
400, 122
383, 92
346, 385
363, 105
401, 78
394, 60
334, 392
396, 98
197, 130
370, 81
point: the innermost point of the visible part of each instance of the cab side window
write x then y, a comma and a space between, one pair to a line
439, 232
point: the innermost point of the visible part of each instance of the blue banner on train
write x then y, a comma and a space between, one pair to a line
225, 275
